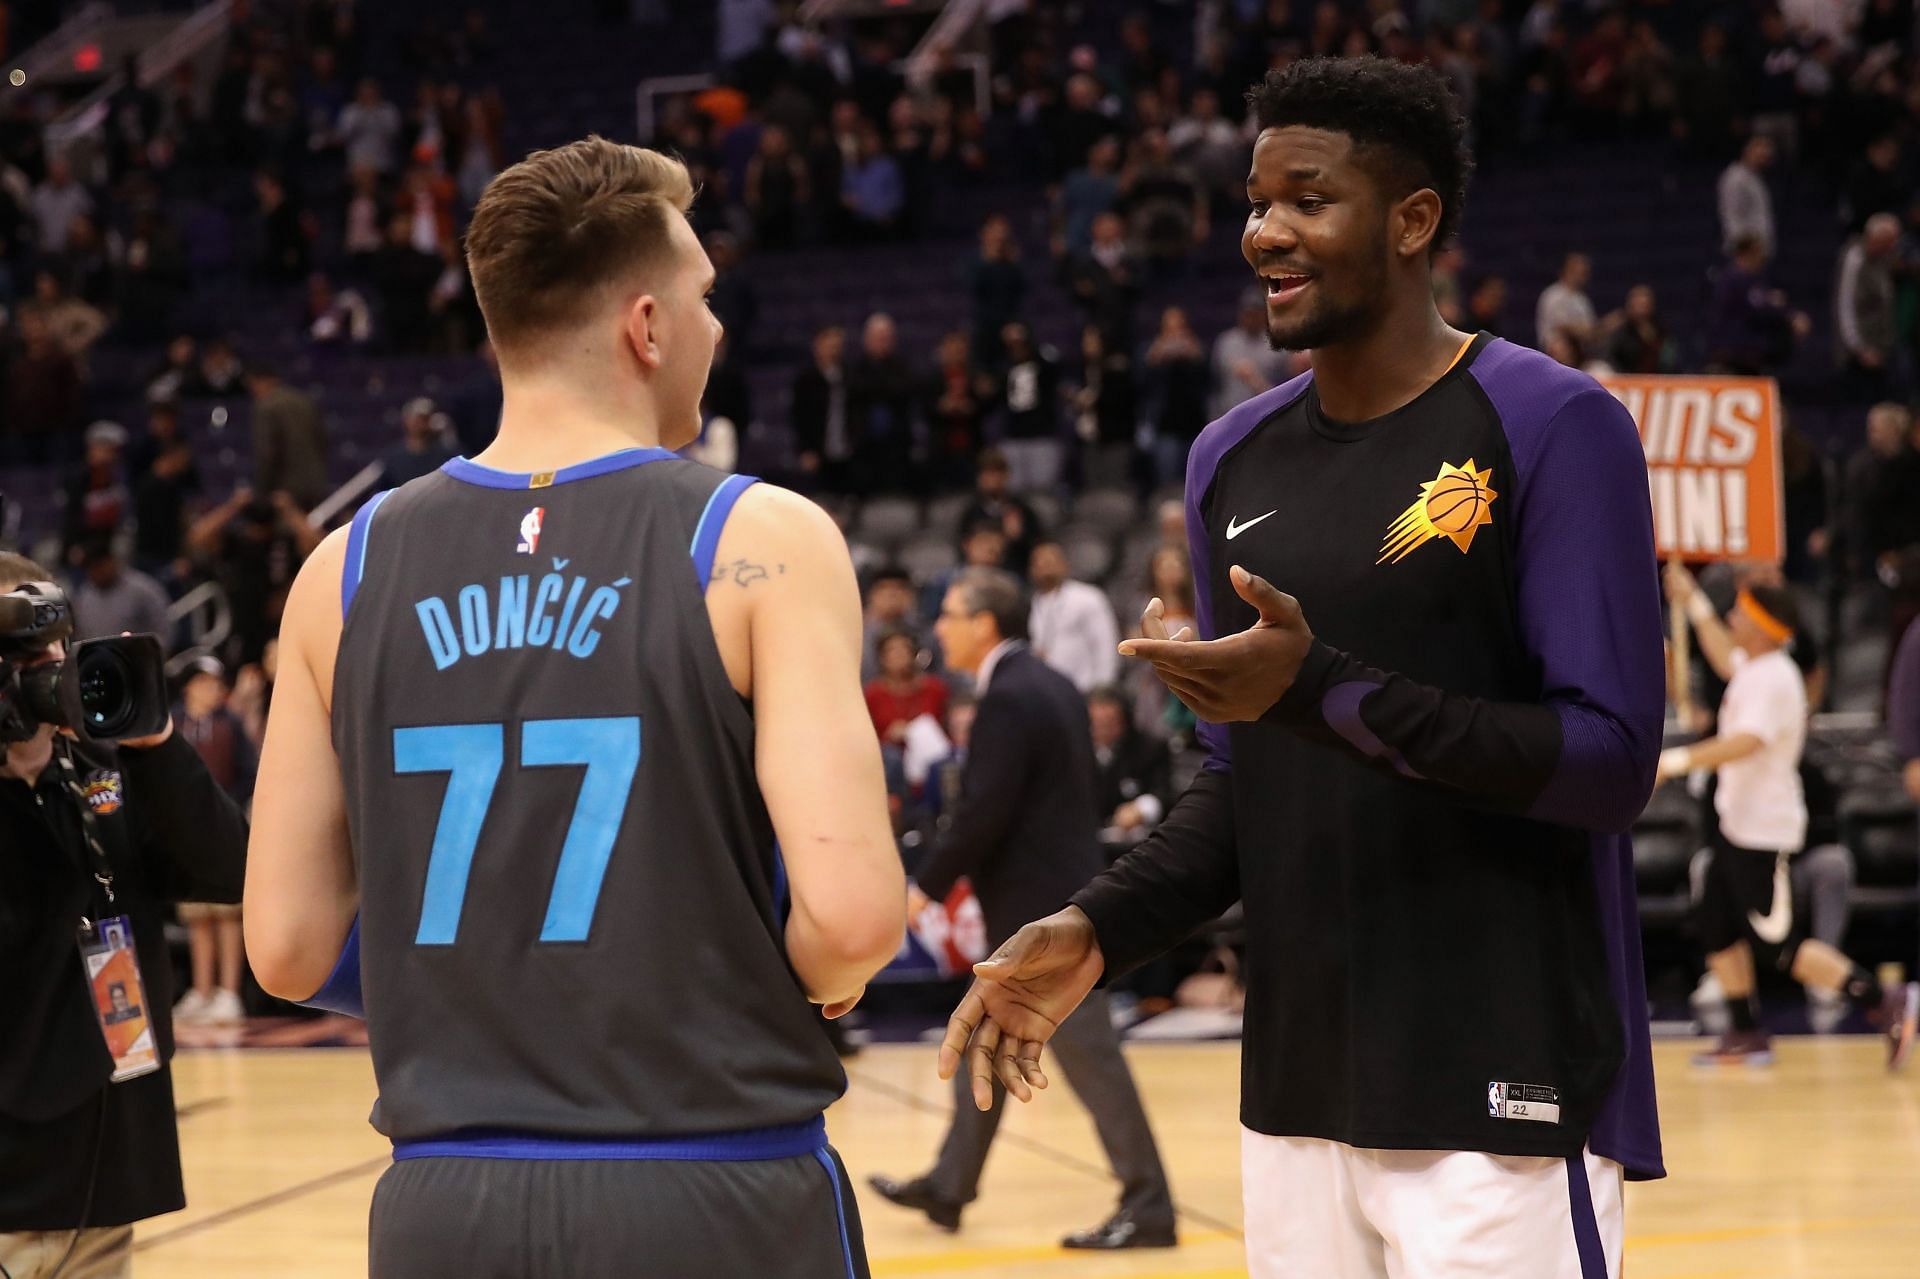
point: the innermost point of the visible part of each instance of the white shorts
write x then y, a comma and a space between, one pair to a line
1318, 1209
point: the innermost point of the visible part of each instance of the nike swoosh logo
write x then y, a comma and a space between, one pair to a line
1235, 530
1773, 927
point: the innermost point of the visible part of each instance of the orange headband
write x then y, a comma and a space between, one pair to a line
1772, 627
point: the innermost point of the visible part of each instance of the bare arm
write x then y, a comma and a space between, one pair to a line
1707, 755
1716, 642
301, 891
817, 757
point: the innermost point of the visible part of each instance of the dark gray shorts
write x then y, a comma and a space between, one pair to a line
466, 1218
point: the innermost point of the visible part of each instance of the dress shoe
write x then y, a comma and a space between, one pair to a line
917, 1195
1120, 1231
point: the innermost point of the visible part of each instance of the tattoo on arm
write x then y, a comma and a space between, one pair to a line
744, 573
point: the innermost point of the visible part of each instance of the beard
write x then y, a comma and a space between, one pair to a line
1330, 323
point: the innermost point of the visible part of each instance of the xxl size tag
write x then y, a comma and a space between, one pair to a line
119, 996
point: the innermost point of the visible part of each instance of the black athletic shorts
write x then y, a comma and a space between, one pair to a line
461, 1217
1738, 902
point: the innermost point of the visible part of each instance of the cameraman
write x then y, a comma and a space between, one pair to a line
82, 1157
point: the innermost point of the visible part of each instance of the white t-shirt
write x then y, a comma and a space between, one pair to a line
1760, 801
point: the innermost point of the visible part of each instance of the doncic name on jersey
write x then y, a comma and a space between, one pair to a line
520, 613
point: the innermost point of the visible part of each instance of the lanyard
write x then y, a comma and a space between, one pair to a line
89, 824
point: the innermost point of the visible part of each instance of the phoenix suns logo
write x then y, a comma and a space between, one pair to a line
1453, 505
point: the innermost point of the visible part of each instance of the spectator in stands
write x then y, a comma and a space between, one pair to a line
1176, 382
1106, 279
996, 287
983, 544
1746, 203
253, 547
426, 196
86, 269
873, 191
336, 317
1707, 88
97, 500
1564, 306
904, 690
734, 300
821, 430
151, 277
57, 201
1903, 709
43, 390
365, 234
778, 189
164, 477
179, 372
1893, 532
1877, 183
1772, 96
1106, 414
1169, 580
1750, 327
405, 277
1209, 143
957, 398
1244, 361
995, 502
111, 598
481, 154
1134, 781
286, 251
455, 313
1167, 207
1487, 306
1448, 265
881, 394
74, 325
289, 440
222, 372
369, 130
422, 448
1072, 624
1638, 341
1864, 310
1084, 122
1030, 408
1888, 425
1087, 192
889, 608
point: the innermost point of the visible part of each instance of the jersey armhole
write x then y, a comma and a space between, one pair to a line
356, 565
706, 534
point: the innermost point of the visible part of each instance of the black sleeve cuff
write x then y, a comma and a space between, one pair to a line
1301, 701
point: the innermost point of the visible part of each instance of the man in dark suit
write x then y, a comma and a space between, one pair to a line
821, 433
1133, 775
1024, 834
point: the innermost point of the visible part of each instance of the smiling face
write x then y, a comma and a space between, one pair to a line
1317, 235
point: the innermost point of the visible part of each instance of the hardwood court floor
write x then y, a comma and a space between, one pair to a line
1809, 1171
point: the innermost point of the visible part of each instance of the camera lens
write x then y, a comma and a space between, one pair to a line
106, 691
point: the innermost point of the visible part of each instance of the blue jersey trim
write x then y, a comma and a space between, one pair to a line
487, 477
356, 564
706, 534
839, 1208
341, 994
1586, 1230
719, 1147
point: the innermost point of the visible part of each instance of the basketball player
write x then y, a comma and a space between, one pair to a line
1746, 908
1422, 798
575, 726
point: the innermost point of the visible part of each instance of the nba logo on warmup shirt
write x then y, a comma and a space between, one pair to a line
530, 530
1523, 1101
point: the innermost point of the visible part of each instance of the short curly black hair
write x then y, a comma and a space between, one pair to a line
1403, 120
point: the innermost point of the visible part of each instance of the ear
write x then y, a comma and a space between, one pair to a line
1414, 221
643, 318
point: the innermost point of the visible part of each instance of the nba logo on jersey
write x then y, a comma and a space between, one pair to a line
1497, 1100
530, 530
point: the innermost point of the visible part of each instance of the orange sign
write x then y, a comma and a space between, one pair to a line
1713, 463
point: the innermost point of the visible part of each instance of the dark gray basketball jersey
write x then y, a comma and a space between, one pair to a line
571, 902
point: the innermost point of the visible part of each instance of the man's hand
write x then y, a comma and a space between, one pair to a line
1020, 995
1913, 779
1237, 677
1680, 584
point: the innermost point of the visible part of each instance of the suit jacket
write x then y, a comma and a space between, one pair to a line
812, 401
1024, 831
1140, 766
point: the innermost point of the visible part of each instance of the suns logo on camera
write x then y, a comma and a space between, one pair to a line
103, 791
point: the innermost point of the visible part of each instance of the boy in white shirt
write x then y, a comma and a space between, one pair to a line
1747, 906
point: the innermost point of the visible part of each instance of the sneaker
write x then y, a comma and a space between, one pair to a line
1738, 1048
1899, 1017
192, 1010
1826, 1009
1710, 1005
224, 1009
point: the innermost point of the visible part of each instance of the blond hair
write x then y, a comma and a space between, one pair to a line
557, 230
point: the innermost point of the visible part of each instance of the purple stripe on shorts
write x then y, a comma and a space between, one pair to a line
1586, 1231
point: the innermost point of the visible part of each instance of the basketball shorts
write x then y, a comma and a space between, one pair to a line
1748, 896
1333, 1211
574, 1216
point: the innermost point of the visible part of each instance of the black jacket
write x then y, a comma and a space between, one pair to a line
170, 834
1139, 766
812, 403
1024, 832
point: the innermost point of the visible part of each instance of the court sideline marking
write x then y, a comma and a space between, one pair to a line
915, 1101
274, 1200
